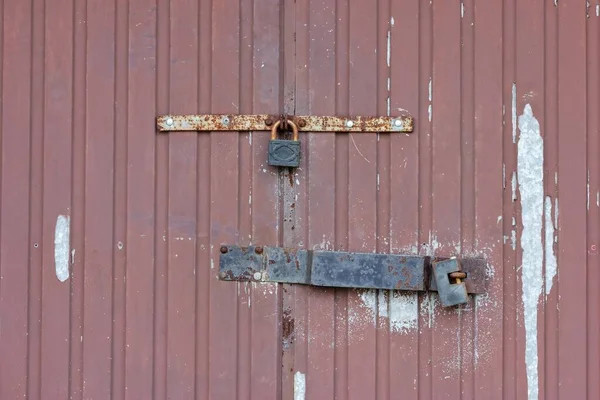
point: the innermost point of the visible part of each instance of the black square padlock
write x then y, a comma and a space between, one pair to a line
284, 153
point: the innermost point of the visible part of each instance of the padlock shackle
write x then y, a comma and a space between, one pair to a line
276, 126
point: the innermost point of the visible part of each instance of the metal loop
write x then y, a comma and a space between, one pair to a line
278, 123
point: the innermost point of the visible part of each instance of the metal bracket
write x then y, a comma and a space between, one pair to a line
452, 278
263, 122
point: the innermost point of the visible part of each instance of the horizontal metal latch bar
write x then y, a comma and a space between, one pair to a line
264, 122
342, 269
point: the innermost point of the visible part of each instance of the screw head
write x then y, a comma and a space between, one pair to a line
257, 276
268, 122
225, 121
349, 124
222, 275
258, 250
397, 123
224, 249
170, 121
302, 123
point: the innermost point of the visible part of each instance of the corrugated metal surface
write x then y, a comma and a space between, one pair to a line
493, 86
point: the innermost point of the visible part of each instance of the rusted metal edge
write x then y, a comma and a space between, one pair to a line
263, 122
341, 269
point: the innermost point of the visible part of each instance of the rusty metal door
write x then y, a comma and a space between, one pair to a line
110, 230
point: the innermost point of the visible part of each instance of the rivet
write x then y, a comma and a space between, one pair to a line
222, 275
268, 122
224, 249
170, 121
398, 123
225, 121
257, 276
349, 124
302, 123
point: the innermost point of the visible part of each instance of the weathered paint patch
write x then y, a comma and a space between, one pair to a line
530, 167
389, 48
550, 257
299, 386
404, 311
62, 247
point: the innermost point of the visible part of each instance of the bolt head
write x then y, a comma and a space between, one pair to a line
257, 276
222, 275
170, 121
258, 250
349, 124
268, 122
225, 121
302, 123
397, 123
224, 249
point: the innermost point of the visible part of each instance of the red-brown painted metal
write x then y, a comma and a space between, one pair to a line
142, 313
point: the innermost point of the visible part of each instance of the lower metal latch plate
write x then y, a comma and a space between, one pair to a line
452, 278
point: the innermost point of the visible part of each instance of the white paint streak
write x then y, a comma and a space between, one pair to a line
514, 113
503, 176
551, 266
359, 152
462, 10
556, 213
62, 247
392, 21
530, 167
299, 386
588, 189
429, 112
430, 89
389, 47
513, 184
597, 10
73, 256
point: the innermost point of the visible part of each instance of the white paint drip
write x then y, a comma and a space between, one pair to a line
62, 247
299, 386
530, 167
550, 257
514, 113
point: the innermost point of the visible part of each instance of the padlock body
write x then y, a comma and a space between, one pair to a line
284, 153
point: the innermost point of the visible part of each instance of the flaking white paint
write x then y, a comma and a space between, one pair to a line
62, 247
550, 257
404, 311
530, 167
299, 386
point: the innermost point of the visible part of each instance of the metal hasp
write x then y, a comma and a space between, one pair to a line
264, 122
452, 278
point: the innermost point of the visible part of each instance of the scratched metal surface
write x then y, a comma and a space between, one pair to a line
110, 231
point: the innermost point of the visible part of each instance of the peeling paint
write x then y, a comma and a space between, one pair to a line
530, 167
462, 10
299, 386
392, 21
550, 257
429, 109
62, 247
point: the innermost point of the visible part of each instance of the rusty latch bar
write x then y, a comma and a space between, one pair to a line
263, 122
452, 278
